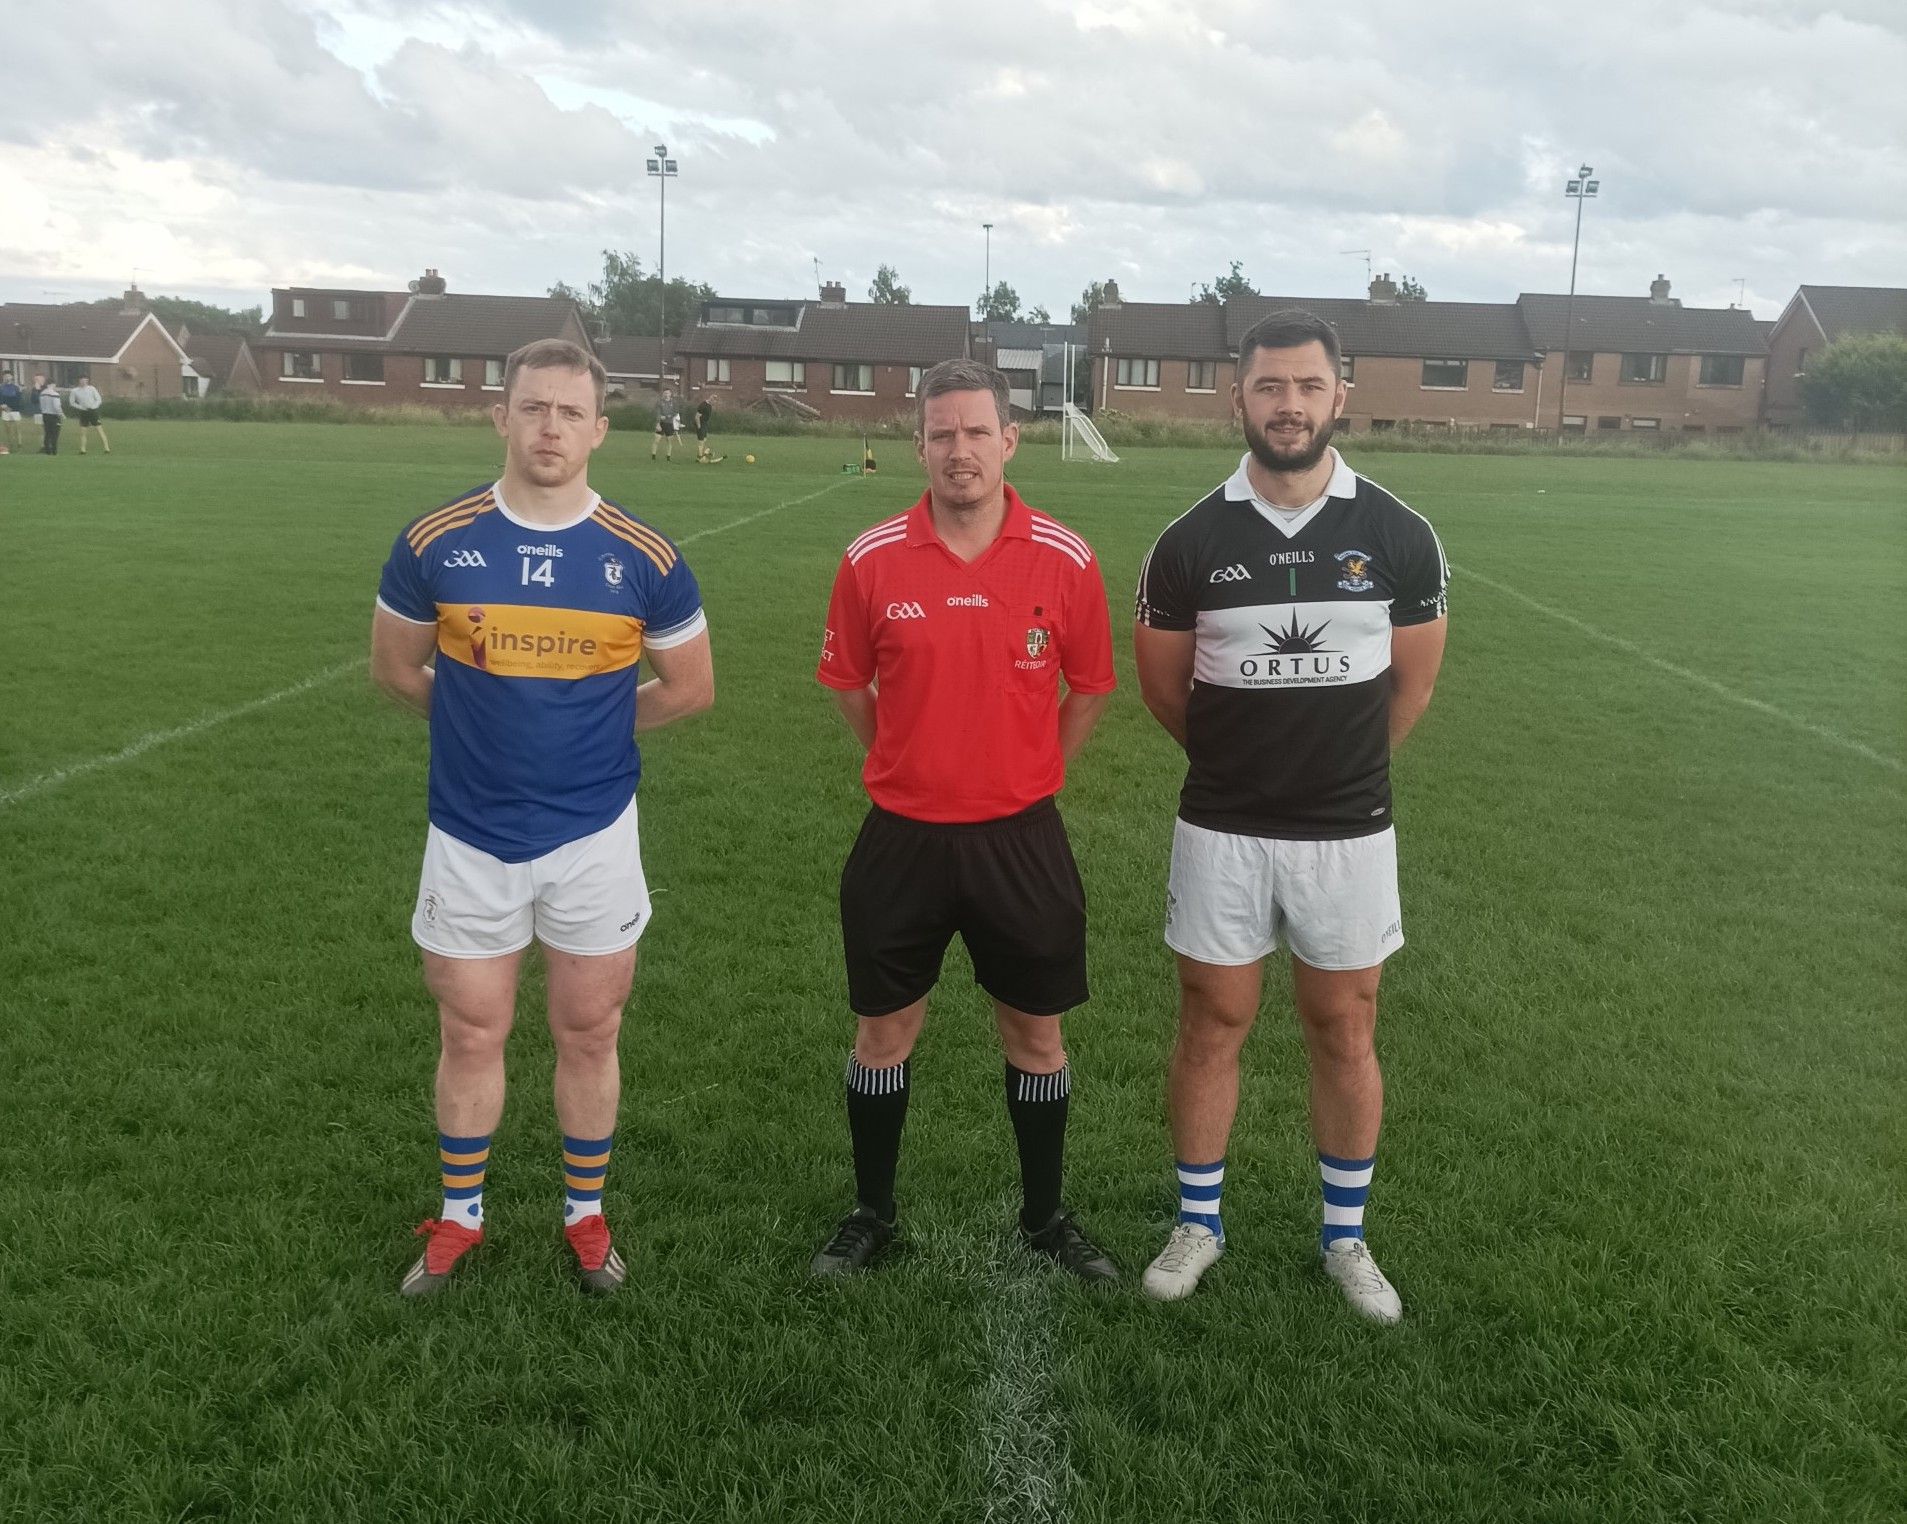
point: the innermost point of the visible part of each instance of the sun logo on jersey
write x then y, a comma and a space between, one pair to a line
1293, 639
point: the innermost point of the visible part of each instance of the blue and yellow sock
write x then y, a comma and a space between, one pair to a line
585, 1164
1347, 1182
1200, 1186
464, 1162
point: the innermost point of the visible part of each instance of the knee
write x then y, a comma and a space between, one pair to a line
882, 1042
1213, 1029
1344, 1033
587, 1035
1033, 1043
472, 1037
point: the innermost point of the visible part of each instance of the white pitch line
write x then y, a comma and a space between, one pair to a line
36, 786
1721, 690
793, 502
40, 785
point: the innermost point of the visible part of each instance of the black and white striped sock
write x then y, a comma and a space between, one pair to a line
877, 1111
1038, 1105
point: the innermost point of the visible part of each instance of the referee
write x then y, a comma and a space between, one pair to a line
949, 630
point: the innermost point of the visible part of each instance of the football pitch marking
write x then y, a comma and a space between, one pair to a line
1020, 1449
152, 738
34, 787
1721, 690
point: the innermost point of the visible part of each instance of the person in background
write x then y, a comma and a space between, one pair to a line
52, 412
86, 400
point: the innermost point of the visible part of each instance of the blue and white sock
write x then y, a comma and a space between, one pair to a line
1199, 1188
1347, 1182
585, 1165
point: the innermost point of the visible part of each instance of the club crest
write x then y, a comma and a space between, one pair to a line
1355, 565
612, 570
1037, 640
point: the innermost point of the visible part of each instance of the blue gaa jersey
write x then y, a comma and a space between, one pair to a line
539, 632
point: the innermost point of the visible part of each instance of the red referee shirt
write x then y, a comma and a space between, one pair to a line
968, 657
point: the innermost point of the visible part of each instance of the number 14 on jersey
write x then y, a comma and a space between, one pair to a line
543, 572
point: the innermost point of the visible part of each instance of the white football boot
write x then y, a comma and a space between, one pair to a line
1192, 1249
1349, 1263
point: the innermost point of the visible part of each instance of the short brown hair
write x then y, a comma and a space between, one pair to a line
1289, 328
962, 376
556, 354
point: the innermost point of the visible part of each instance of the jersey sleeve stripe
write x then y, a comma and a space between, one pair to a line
629, 539
1060, 531
467, 517
611, 517
421, 623
676, 634
425, 525
864, 546
657, 548
882, 528
1061, 546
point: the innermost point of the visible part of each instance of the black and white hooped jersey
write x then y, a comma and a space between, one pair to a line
1288, 727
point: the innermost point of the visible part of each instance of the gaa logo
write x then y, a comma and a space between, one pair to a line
465, 558
1233, 573
906, 611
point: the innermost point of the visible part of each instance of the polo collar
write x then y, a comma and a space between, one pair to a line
1017, 525
1238, 489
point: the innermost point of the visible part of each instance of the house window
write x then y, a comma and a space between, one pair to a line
773, 317
1721, 370
362, 367
1138, 373
493, 374
299, 365
340, 310
715, 372
1801, 361
913, 379
728, 315
298, 308
1447, 375
1606, 422
854, 378
443, 370
1347, 369
784, 373
1201, 376
1645, 369
1645, 423
1575, 423
1578, 364
1509, 376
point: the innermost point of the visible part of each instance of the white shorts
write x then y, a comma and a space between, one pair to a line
587, 897
7, 415
1229, 898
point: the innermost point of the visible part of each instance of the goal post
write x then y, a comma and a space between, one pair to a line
1079, 437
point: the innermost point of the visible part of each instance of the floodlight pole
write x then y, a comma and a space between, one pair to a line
986, 295
662, 170
1579, 190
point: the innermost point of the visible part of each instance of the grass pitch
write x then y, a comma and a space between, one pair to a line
1640, 1183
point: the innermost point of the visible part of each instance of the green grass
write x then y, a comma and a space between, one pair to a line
1641, 1177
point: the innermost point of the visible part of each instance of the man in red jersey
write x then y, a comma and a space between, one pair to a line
949, 630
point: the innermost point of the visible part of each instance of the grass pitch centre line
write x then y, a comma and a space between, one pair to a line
152, 738
1721, 690
793, 502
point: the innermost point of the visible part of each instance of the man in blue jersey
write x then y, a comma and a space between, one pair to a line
515, 617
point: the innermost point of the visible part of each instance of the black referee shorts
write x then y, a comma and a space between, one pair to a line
1010, 887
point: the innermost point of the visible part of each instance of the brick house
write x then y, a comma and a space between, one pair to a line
123, 347
1647, 363
840, 359
635, 363
427, 345
1814, 318
1650, 362
223, 361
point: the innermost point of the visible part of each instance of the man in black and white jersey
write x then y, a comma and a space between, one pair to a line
1289, 629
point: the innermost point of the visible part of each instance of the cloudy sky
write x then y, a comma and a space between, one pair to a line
220, 147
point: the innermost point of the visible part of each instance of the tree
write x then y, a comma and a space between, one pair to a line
201, 317
1000, 305
1858, 383
1089, 301
1039, 315
888, 290
1410, 289
628, 301
1232, 283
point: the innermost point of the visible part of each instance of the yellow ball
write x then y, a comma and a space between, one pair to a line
749, 458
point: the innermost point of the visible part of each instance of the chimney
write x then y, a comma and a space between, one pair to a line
134, 300
1384, 289
1659, 292
430, 283
1109, 294
833, 294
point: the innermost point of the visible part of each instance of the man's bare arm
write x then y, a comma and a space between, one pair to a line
1165, 675
857, 708
682, 683
1078, 714
1416, 654
400, 653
